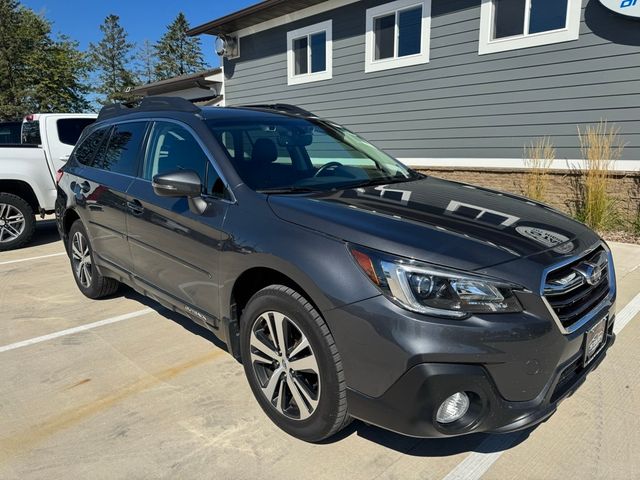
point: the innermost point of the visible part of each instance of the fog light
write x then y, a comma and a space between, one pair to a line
453, 408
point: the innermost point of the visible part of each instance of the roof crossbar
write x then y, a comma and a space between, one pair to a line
149, 104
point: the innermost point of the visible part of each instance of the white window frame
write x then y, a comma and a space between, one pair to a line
372, 65
489, 45
292, 78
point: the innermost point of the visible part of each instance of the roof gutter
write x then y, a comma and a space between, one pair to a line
213, 27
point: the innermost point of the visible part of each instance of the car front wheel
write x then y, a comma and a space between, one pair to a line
292, 364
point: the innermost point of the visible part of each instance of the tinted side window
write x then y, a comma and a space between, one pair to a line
31, 133
70, 129
123, 150
10, 132
85, 152
172, 147
215, 185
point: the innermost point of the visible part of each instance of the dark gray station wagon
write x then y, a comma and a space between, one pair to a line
348, 285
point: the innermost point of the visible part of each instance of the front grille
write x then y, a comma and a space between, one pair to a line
574, 289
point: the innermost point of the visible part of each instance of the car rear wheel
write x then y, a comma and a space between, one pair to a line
89, 280
17, 222
292, 364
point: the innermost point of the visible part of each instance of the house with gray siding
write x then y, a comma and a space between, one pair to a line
458, 86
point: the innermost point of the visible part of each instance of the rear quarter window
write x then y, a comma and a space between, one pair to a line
123, 151
70, 129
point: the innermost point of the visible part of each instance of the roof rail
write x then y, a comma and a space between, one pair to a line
284, 108
149, 104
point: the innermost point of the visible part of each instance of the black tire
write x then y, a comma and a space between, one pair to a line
330, 414
97, 286
29, 221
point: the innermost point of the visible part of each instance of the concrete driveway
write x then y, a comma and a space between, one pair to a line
122, 388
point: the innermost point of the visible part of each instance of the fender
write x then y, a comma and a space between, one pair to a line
29, 166
306, 261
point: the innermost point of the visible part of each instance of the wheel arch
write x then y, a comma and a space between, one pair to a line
23, 190
64, 225
247, 284
70, 216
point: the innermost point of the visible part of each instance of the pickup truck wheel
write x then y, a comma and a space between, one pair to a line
17, 222
292, 364
89, 280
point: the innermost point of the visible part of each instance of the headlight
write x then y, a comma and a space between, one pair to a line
433, 290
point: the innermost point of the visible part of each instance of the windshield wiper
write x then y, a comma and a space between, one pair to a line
374, 182
285, 190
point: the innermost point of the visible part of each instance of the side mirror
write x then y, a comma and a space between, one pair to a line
179, 183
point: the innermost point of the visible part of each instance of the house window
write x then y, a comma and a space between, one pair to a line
309, 56
398, 34
513, 24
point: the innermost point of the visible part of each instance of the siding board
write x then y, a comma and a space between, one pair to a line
480, 73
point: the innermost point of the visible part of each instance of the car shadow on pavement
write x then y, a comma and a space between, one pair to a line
434, 447
46, 232
181, 320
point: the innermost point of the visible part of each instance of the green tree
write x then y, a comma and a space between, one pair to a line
37, 72
56, 79
146, 62
178, 54
111, 57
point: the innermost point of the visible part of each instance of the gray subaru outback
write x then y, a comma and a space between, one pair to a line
348, 285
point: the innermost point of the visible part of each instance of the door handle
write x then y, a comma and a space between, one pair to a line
135, 207
65, 158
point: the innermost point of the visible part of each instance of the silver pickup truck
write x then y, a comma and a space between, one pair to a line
28, 170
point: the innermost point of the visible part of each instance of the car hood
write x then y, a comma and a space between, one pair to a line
438, 221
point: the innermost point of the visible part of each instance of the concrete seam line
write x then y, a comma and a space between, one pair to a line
70, 331
476, 464
32, 258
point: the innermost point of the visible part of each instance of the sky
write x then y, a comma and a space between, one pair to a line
142, 19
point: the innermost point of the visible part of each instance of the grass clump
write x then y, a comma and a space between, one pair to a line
601, 147
538, 158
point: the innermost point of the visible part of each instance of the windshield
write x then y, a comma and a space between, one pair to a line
300, 154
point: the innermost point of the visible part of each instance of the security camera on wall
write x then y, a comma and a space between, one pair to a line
227, 46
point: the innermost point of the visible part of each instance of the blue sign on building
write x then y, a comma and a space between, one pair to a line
630, 8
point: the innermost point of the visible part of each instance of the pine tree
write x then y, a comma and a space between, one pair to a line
146, 62
111, 57
178, 54
37, 72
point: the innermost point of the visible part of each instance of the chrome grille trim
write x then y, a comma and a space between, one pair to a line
593, 311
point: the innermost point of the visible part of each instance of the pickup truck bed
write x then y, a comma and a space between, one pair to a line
28, 172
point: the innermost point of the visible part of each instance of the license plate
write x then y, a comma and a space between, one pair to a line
595, 340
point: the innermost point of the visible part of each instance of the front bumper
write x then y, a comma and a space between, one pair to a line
516, 368
410, 405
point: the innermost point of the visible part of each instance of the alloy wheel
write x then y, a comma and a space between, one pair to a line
81, 259
285, 365
12, 223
